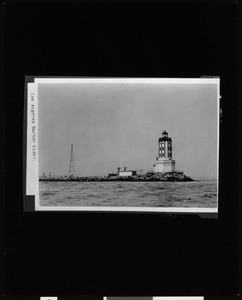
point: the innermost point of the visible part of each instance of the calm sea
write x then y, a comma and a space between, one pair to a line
139, 194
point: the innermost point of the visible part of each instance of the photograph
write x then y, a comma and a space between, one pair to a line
121, 150
123, 144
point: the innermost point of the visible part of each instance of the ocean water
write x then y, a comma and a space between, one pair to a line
134, 194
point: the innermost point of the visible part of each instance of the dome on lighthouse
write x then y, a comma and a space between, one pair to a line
164, 136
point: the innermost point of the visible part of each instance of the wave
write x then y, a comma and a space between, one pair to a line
151, 194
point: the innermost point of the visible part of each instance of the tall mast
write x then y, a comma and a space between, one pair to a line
72, 166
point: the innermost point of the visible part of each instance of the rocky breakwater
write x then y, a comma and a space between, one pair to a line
149, 176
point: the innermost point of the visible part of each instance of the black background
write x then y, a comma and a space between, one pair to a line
119, 254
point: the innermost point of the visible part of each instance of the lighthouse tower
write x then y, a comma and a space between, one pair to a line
164, 162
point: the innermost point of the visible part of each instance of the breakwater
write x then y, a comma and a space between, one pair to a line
169, 176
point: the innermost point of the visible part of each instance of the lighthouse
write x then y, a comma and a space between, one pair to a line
164, 162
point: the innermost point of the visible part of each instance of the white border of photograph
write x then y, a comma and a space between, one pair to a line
32, 175
179, 298
166, 298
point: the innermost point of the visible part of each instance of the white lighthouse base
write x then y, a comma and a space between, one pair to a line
163, 165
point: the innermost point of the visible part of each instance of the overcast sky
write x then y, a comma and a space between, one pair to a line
111, 124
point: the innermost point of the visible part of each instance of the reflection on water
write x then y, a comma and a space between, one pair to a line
136, 194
